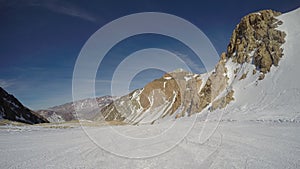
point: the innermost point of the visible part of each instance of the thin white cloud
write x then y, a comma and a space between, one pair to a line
70, 10
6, 83
56, 6
192, 64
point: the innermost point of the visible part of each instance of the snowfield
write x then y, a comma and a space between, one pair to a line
233, 145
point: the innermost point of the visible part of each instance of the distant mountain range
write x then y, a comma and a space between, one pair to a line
86, 109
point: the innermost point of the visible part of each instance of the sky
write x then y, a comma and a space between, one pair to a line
40, 40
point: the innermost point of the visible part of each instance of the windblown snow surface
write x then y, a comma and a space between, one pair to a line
260, 129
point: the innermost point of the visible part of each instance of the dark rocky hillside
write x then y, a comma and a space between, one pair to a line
12, 109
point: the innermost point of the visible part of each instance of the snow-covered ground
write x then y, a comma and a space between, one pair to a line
233, 145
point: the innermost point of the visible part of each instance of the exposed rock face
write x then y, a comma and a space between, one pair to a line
176, 94
222, 102
172, 95
12, 109
86, 109
215, 84
254, 47
256, 39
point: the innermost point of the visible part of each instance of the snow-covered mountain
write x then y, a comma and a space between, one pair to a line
277, 96
86, 109
257, 77
12, 109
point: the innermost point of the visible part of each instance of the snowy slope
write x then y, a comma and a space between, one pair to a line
277, 96
233, 145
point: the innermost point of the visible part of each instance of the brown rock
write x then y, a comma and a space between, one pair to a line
261, 76
222, 102
257, 31
243, 76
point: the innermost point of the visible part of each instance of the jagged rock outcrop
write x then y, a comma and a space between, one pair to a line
215, 84
254, 47
12, 109
256, 39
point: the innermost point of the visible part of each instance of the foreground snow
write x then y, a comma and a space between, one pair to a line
233, 145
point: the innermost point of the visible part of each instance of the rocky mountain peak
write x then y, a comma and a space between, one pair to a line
256, 39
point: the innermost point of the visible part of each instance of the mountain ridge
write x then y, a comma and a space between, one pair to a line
254, 49
12, 109
84, 109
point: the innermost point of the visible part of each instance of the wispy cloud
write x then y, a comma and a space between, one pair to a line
66, 8
6, 83
191, 63
56, 6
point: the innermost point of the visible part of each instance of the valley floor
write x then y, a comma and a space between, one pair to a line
242, 145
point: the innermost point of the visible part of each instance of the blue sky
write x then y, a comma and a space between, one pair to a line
41, 39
